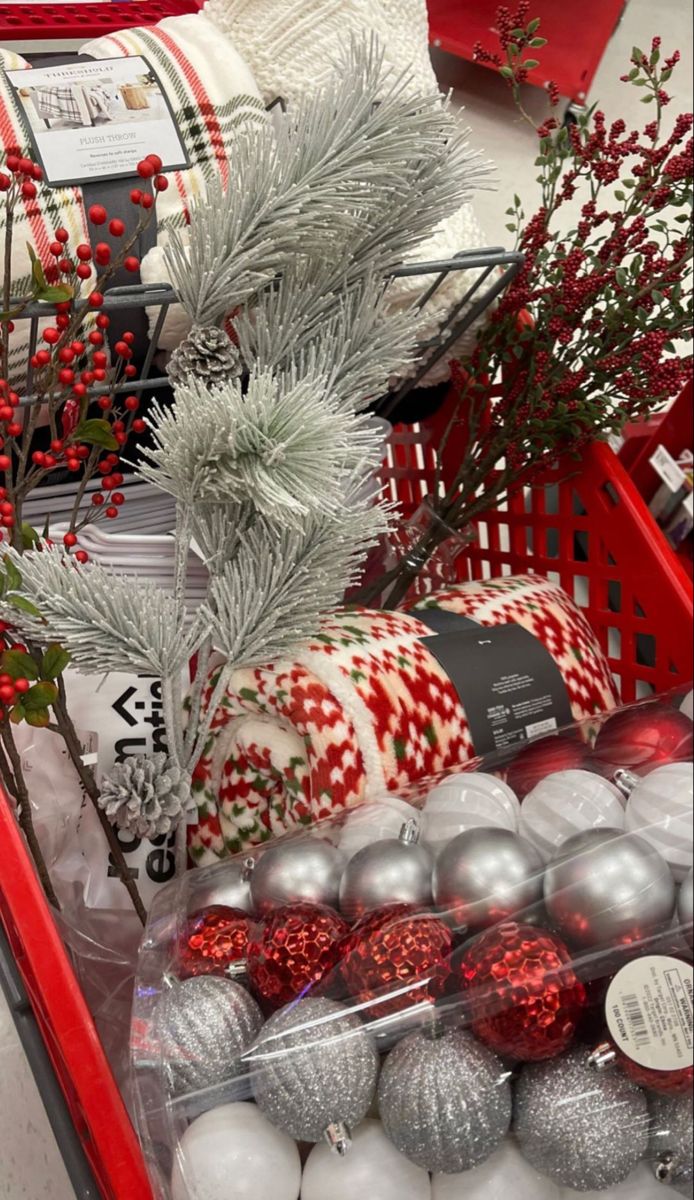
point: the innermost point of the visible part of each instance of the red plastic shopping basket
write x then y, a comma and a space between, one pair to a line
588, 528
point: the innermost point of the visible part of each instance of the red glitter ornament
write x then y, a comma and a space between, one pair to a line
525, 999
668, 1083
215, 942
292, 950
641, 739
396, 957
563, 752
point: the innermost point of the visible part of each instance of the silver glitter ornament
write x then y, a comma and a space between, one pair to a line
396, 870
228, 884
303, 869
485, 876
445, 1102
585, 1130
313, 1071
203, 1025
606, 886
685, 907
672, 1145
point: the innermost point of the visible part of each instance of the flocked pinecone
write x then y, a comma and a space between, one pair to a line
147, 796
207, 354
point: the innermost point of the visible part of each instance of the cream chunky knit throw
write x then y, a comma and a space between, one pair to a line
292, 45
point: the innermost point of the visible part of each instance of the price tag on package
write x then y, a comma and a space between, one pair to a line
668, 470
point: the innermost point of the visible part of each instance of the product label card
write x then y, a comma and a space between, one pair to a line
95, 119
668, 470
506, 679
649, 1012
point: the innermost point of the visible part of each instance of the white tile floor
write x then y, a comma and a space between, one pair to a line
30, 1165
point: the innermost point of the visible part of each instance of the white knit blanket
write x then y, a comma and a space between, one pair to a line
292, 45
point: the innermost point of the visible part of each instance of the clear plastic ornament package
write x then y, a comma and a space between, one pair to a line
481, 990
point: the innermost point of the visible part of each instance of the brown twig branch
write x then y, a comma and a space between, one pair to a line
13, 776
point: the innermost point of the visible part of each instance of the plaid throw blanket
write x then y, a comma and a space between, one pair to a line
212, 94
366, 708
53, 103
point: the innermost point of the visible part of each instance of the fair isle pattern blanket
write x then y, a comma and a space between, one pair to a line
366, 708
212, 93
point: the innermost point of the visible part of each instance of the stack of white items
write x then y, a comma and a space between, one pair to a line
145, 509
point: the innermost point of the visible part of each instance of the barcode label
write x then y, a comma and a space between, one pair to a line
648, 1009
636, 1020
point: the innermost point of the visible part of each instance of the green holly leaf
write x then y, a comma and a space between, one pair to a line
17, 714
55, 294
534, 25
537, 43
18, 665
531, 63
29, 536
24, 605
96, 432
506, 72
40, 696
54, 661
14, 578
39, 718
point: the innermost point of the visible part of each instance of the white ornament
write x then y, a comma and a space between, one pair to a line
468, 801
234, 1153
371, 1168
660, 809
640, 1185
687, 705
504, 1176
374, 822
569, 802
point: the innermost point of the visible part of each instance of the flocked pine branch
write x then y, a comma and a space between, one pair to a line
107, 622
345, 333
261, 446
333, 172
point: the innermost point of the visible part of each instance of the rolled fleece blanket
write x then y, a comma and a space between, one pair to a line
367, 708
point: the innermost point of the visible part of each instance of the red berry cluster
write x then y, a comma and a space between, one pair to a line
74, 367
22, 174
607, 298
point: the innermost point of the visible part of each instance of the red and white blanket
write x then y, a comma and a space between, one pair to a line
365, 709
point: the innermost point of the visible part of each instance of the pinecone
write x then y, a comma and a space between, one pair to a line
147, 796
207, 354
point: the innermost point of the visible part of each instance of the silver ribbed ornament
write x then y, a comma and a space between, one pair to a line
606, 886
685, 907
445, 1102
485, 876
393, 871
305, 870
672, 1140
313, 1071
208, 355
203, 1026
228, 884
660, 809
586, 1130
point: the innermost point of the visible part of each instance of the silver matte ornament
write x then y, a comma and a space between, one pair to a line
228, 884
685, 907
314, 1070
672, 1140
445, 1102
607, 887
396, 870
300, 869
204, 1025
586, 1130
485, 876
